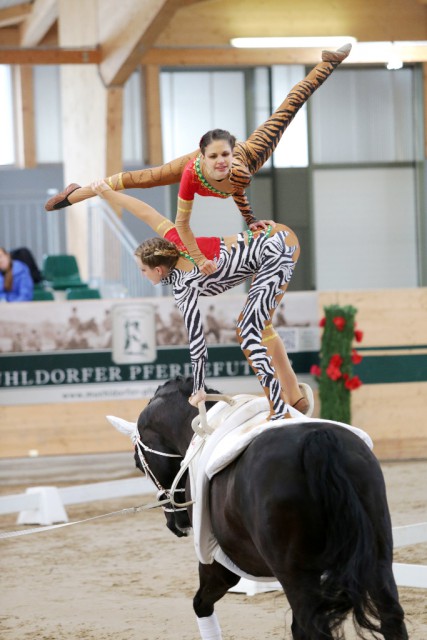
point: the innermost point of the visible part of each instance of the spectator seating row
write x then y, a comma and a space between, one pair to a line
59, 273
83, 293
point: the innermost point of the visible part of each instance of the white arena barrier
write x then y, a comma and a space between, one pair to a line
45, 506
406, 575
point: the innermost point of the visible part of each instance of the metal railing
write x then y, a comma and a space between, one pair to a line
111, 260
25, 223
110, 246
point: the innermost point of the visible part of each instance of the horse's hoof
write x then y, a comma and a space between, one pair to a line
60, 200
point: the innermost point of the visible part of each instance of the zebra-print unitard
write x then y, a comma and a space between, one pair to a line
272, 261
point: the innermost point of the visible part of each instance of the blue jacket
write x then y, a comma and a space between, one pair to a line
23, 285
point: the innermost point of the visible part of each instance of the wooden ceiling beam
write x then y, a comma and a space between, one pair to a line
232, 57
50, 56
15, 14
37, 25
9, 37
131, 33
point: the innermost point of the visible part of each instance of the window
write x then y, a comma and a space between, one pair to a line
47, 113
7, 141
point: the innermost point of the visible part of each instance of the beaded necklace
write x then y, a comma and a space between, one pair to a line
185, 254
251, 233
205, 183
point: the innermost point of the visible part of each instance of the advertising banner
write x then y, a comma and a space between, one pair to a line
80, 350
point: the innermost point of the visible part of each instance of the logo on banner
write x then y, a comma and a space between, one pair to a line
134, 333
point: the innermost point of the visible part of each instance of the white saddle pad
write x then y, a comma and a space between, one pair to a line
235, 427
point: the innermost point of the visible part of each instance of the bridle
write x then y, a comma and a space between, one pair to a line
140, 447
203, 430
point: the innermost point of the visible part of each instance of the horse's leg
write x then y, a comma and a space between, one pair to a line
302, 589
386, 600
215, 581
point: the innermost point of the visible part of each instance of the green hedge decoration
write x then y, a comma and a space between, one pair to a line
337, 357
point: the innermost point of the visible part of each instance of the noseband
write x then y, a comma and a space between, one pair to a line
140, 447
203, 430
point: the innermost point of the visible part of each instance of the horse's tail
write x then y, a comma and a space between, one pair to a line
350, 553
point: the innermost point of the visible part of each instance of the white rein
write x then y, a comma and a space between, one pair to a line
201, 427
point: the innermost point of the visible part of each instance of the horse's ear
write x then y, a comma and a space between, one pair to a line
128, 428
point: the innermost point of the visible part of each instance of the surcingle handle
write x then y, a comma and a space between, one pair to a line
200, 423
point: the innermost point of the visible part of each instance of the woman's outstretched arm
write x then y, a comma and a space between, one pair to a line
137, 207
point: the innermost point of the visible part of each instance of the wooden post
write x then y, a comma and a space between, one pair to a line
84, 110
425, 107
25, 127
153, 124
114, 129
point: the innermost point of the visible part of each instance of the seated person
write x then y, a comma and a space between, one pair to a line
16, 283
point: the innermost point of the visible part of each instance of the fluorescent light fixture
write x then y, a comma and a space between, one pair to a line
411, 43
303, 42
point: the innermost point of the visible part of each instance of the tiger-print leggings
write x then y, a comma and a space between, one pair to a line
248, 157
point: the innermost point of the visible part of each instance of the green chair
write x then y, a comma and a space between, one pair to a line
61, 272
42, 294
82, 294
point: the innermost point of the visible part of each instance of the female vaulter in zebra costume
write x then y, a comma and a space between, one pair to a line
215, 169
268, 255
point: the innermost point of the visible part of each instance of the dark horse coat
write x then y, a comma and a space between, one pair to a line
305, 504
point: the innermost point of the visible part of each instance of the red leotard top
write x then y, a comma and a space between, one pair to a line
208, 246
193, 181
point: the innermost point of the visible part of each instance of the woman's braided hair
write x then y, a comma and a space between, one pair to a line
156, 252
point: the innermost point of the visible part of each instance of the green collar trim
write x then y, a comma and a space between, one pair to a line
205, 183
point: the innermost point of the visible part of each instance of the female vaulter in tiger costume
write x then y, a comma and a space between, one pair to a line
221, 167
269, 256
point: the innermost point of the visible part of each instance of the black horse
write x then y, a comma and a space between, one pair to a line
304, 504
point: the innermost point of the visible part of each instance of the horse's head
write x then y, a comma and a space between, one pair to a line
161, 438
164, 428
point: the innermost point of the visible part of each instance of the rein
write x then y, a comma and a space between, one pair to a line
201, 427
161, 491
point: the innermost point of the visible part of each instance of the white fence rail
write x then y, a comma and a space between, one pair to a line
45, 505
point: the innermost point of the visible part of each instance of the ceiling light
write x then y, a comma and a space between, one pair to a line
267, 43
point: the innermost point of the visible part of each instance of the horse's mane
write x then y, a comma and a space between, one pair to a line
182, 384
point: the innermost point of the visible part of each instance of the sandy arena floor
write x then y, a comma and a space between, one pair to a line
128, 578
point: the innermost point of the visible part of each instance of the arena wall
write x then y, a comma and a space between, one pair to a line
391, 405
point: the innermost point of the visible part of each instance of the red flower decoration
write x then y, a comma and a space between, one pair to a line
358, 335
339, 322
315, 370
353, 383
356, 358
333, 372
336, 360
322, 322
